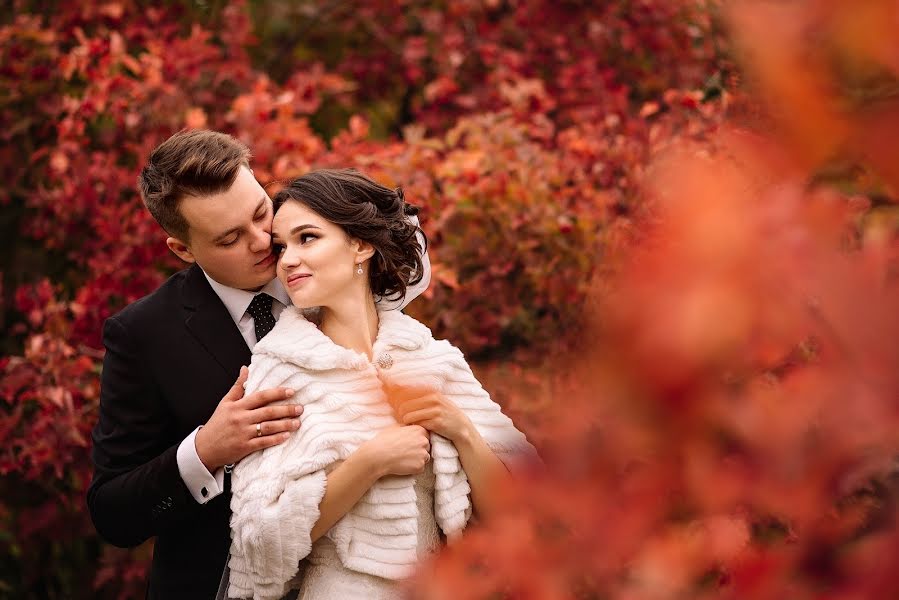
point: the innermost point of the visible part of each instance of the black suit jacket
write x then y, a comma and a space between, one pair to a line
170, 358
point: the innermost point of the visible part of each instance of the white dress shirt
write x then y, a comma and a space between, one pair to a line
203, 485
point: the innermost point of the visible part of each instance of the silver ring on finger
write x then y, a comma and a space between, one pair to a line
258, 429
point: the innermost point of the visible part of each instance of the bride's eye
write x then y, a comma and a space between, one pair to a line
277, 249
306, 237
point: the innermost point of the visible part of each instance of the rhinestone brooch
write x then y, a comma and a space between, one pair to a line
384, 361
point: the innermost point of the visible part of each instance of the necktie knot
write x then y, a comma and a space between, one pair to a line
261, 311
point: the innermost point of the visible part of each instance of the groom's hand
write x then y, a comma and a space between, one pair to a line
242, 425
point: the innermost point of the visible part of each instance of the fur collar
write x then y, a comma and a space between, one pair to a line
298, 341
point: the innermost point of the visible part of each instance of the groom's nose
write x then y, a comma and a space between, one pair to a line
261, 239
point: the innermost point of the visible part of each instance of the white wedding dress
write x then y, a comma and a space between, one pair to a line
325, 577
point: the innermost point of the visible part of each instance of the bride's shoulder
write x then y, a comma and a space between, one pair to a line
400, 329
428, 343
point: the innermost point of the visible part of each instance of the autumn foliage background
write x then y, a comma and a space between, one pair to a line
663, 231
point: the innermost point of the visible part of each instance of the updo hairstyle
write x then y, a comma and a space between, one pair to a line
369, 212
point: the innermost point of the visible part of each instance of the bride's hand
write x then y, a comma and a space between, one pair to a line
433, 411
398, 450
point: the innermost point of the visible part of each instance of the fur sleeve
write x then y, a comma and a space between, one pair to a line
452, 505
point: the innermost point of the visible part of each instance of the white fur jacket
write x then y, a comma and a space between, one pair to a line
276, 492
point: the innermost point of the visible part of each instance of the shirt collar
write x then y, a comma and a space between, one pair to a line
237, 301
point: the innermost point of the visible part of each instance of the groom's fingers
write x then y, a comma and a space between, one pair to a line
267, 441
275, 413
268, 428
236, 391
265, 397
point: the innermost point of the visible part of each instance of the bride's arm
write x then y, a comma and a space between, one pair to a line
394, 451
435, 412
463, 412
481, 465
273, 530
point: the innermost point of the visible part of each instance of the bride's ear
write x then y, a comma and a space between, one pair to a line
363, 250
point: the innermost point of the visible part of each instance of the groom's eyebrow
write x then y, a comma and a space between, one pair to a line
222, 236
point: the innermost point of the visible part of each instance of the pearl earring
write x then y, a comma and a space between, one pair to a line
359, 268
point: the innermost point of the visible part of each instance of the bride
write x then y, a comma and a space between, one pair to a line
398, 438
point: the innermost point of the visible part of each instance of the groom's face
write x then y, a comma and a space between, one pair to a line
230, 234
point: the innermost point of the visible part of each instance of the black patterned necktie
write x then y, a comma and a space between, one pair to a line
261, 311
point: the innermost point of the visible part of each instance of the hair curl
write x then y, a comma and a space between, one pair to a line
369, 212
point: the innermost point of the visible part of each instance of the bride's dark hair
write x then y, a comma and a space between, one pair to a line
369, 212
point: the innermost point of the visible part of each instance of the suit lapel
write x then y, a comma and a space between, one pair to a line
209, 322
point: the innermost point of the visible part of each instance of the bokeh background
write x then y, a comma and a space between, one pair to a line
664, 232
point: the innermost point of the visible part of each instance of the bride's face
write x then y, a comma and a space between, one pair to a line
316, 258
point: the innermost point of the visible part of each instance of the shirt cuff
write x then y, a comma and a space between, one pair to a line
202, 485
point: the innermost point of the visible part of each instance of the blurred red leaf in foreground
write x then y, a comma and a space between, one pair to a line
730, 427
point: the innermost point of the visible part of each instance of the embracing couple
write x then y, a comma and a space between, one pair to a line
353, 445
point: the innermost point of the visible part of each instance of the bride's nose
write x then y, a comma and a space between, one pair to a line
290, 257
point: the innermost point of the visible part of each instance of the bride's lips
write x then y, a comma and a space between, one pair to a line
297, 279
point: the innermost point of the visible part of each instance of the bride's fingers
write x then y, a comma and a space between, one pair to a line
419, 403
418, 416
431, 425
400, 394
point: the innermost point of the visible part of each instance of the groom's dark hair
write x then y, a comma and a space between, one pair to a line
372, 213
195, 162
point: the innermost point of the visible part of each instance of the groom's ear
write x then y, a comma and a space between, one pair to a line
180, 249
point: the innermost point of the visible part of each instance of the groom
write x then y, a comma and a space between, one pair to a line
173, 416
